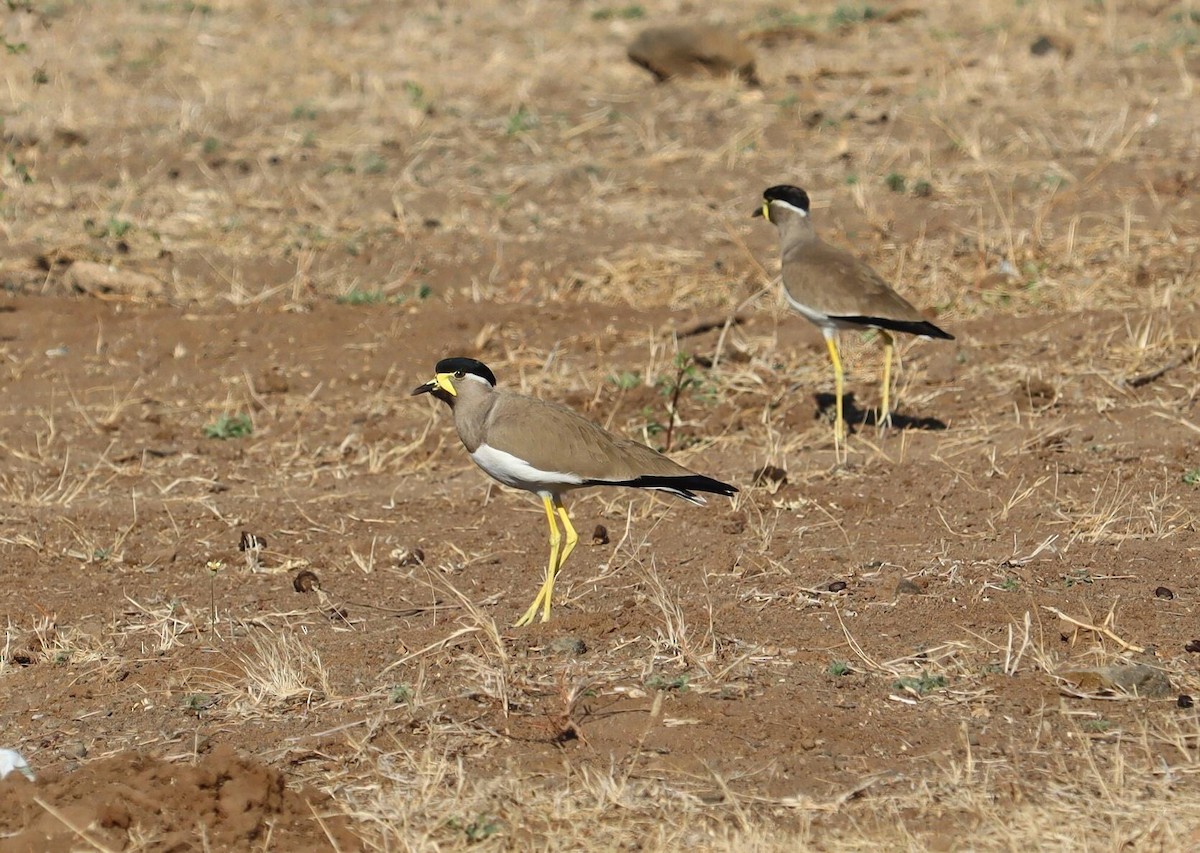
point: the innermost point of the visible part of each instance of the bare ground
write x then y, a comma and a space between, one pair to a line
287, 212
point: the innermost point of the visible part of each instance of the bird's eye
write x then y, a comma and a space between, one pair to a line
459, 374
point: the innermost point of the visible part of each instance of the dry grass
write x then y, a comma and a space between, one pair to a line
498, 180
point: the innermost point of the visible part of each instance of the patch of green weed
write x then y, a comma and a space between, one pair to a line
229, 426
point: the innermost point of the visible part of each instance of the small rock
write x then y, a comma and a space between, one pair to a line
909, 587
306, 581
68, 137
568, 646
1047, 44
686, 51
838, 586
769, 475
600, 535
1185, 701
1164, 592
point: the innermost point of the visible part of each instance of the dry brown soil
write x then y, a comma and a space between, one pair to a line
287, 212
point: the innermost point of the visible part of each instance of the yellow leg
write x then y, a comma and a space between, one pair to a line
839, 423
572, 538
885, 413
551, 569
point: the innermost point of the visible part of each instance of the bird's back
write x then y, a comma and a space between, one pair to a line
836, 283
551, 437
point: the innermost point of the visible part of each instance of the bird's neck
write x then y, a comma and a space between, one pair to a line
470, 418
796, 230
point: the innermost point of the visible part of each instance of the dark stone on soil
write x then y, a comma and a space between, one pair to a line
769, 474
1047, 44
306, 581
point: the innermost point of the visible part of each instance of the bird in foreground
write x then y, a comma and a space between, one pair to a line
548, 449
835, 290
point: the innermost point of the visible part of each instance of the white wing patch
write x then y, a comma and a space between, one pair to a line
516, 472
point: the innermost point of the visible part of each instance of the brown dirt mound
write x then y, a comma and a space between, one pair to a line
225, 802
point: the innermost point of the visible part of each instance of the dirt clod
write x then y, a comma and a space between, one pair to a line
102, 279
1147, 682
272, 381
306, 581
686, 51
231, 801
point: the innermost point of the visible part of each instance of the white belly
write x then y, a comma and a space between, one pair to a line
826, 323
516, 472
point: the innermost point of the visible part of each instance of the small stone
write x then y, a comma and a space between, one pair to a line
600, 535
1185, 701
306, 581
838, 586
1164, 592
568, 646
769, 475
1047, 44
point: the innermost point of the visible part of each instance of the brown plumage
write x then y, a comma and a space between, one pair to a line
551, 437
835, 290
548, 449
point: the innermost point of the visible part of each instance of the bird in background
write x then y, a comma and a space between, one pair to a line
835, 290
548, 449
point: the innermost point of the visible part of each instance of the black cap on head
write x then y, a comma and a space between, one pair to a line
788, 194
466, 365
